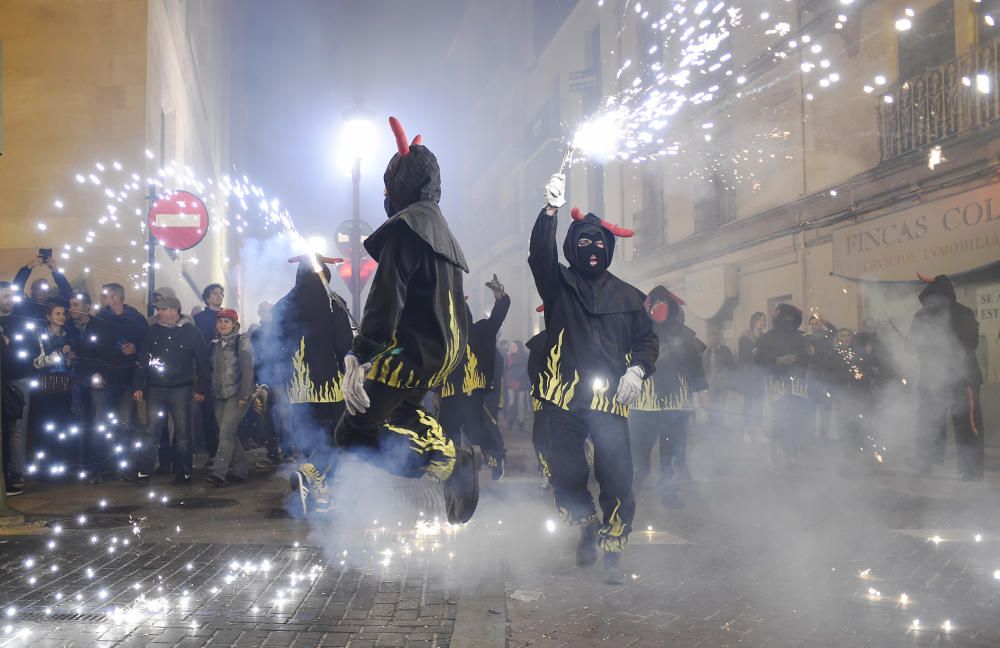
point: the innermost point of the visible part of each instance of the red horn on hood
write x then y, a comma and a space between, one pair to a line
417, 141
540, 308
577, 214
400, 135
924, 279
620, 232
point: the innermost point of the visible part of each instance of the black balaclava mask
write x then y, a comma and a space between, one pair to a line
589, 247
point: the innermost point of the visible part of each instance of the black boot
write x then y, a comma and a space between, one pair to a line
613, 572
461, 489
586, 549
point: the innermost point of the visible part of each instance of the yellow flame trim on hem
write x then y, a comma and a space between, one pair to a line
601, 402
302, 389
650, 401
434, 440
612, 536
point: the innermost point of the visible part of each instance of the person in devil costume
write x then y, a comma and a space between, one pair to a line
944, 336
663, 411
413, 335
312, 330
783, 354
464, 391
600, 346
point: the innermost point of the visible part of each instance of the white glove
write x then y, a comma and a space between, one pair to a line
629, 386
555, 191
355, 397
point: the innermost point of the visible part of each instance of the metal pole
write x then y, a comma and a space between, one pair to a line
356, 242
150, 256
8, 516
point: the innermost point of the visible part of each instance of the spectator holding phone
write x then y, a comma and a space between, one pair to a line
41, 289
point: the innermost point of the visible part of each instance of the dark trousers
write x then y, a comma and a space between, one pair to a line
540, 440
397, 435
566, 458
110, 413
209, 426
467, 415
163, 403
961, 403
312, 423
791, 417
670, 428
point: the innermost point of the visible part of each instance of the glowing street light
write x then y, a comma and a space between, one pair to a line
357, 143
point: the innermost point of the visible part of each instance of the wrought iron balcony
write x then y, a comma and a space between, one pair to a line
951, 99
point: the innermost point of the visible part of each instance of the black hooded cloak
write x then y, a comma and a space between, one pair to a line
679, 369
596, 324
311, 333
944, 334
784, 339
476, 372
414, 329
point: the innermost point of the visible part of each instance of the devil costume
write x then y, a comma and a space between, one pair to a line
783, 354
312, 334
665, 404
944, 336
463, 395
413, 335
599, 345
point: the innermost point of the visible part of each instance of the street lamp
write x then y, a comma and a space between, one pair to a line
357, 143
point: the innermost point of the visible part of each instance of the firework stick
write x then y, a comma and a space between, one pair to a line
568, 158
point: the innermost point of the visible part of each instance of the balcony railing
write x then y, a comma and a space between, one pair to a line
951, 99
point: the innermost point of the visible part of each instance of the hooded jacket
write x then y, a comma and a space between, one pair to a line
477, 370
784, 339
944, 335
597, 325
679, 369
414, 329
312, 334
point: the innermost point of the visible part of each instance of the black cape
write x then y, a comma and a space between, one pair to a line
679, 369
782, 340
414, 329
478, 366
944, 335
597, 327
312, 334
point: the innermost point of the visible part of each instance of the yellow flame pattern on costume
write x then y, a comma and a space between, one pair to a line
431, 439
551, 386
776, 388
612, 536
601, 402
389, 370
650, 401
301, 388
474, 379
447, 390
543, 462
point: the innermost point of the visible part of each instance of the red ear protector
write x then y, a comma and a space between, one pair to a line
660, 312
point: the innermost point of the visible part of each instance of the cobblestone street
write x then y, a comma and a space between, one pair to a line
815, 558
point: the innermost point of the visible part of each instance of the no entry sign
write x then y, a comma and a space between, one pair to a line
178, 220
